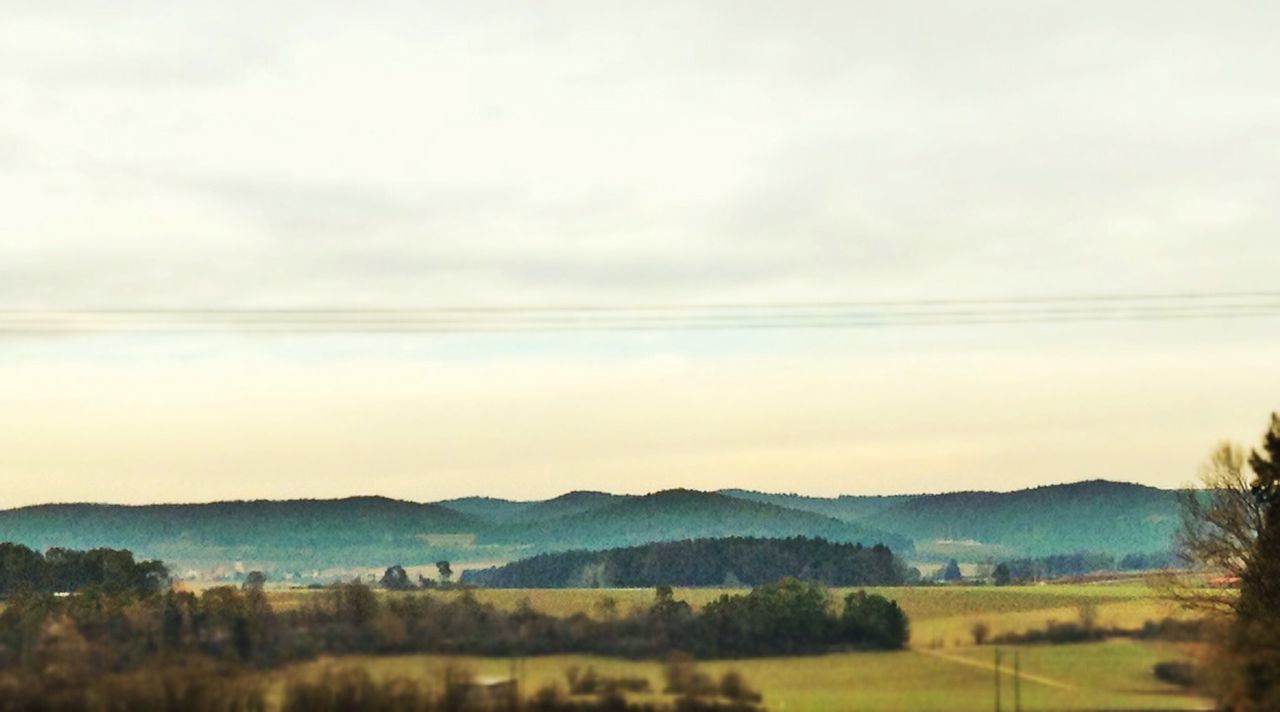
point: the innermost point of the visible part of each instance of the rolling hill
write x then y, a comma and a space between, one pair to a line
683, 514
371, 532
1095, 516
850, 508
302, 533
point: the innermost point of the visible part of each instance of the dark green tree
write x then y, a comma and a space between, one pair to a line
873, 621
396, 579
445, 570
951, 572
254, 580
1000, 576
1256, 635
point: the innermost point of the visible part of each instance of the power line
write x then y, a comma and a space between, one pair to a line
653, 317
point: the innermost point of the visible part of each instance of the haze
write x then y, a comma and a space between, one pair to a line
210, 155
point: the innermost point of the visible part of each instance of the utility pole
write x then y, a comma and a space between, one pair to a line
997, 680
1017, 682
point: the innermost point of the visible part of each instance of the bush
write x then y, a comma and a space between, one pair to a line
873, 621
1176, 672
194, 685
980, 631
354, 689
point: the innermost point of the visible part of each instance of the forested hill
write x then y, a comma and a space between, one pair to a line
733, 561
305, 535
300, 533
685, 514
505, 511
850, 508
1096, 516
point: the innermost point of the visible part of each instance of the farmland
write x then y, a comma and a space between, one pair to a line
1109, 675
941, 670
941, 616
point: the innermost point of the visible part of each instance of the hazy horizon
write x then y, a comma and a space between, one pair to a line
638, 493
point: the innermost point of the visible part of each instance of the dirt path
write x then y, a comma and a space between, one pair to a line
1004, 669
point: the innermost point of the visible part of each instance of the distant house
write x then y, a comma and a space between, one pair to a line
1225, 582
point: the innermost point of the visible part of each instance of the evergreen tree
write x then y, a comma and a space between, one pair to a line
1001, 576
1256, 635
952, 571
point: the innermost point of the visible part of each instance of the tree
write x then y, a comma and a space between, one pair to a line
951, 572
255, 580
1001, 576
396, 579
446, 571
1231, 527
980, 632
873, 621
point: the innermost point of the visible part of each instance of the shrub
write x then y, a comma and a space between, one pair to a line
1176, 672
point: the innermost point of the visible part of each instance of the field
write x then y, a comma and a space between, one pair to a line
1110, 675
943, 670
941, 616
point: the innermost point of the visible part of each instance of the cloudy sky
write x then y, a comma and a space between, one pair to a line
228, 155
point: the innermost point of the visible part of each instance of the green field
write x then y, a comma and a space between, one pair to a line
941, 616
1110, 675
943, 670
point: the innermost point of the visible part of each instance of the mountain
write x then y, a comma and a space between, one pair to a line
1095, 516
685, 514
850, 508
505, 511
565, 505
490, 509
302, 533
732, 561
373, 532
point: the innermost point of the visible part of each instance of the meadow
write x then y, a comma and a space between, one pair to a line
1108, 675
942, 669
941, 616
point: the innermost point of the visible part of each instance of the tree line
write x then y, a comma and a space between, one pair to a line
1077, 564
24, 570
239, 625
730, 561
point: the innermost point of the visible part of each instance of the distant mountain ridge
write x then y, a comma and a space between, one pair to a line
684, 514
369, 532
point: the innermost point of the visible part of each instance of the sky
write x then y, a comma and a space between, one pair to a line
256, 156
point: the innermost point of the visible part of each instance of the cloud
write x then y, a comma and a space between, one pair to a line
425, 152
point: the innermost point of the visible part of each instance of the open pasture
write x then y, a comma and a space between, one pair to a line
1109, 675
941, 616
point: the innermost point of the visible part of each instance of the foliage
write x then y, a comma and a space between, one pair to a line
395, 579
873, 621
1001, 575
191, 684
951, 572
683, 514
1079, 563
111, 570
1232, 526
702, 562
1108, 517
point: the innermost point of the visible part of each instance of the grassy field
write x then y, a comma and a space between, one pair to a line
941, 616
1110, 675
943, 670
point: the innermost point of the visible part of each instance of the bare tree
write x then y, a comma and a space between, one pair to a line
1219, 530
1231, 528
